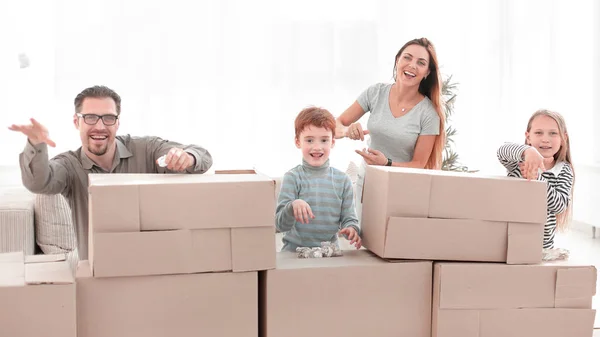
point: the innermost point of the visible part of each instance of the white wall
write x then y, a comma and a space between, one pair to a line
231, 74
587, 195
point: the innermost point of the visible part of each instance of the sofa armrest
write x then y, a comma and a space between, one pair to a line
17, 220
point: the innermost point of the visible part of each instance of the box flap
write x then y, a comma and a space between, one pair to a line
58, 272
456, 323
142, 253
485, 197
408, 192
84, 269
19, 270
114, 208
515, 323
248, 171
44, 258
211, 250
252, 249
575, 287
496, 286
124, 179
446, 239
537, 322
374, 209
220, 201
525, 243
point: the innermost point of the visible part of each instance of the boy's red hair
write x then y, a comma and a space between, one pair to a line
314, 116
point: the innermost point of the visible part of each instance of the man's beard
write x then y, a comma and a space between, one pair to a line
98, 151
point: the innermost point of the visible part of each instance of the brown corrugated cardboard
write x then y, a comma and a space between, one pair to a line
225, 200
218, 222
180, 201
357, 294
524, 244
115, 208
252, 249
500, 286
457, 240
498, 300
37, 297
405, 215
414, 193
515, 323
445, 239
486, 197
211, 304
183, 251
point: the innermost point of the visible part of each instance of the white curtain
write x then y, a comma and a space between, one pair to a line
231, 75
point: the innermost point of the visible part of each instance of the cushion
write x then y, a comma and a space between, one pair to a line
54, 228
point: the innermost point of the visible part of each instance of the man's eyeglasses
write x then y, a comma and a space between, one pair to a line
92, 119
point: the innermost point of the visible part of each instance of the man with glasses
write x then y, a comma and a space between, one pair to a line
97, 112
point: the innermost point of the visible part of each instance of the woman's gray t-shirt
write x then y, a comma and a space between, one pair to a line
396, 137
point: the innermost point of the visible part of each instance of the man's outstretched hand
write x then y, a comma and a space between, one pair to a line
35, 132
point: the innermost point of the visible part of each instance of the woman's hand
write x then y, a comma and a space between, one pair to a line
356, 132
373, 157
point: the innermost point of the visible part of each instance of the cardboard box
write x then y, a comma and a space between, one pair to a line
355, 295
440, 215
37, 296
455, 240
151, 224
210, 304
498, 300
415, 193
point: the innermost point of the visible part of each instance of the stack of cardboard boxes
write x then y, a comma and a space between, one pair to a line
451, 255
448, 216
488, 231
175, 255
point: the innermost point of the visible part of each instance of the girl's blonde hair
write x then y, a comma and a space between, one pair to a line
563, 220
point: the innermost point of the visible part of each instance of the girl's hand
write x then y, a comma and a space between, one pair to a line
533, 162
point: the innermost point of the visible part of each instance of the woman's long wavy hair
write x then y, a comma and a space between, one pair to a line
431, 86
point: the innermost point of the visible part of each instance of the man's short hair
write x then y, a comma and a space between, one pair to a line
97, 91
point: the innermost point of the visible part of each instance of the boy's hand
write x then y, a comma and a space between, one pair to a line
352, 236
533, 162
302, 211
